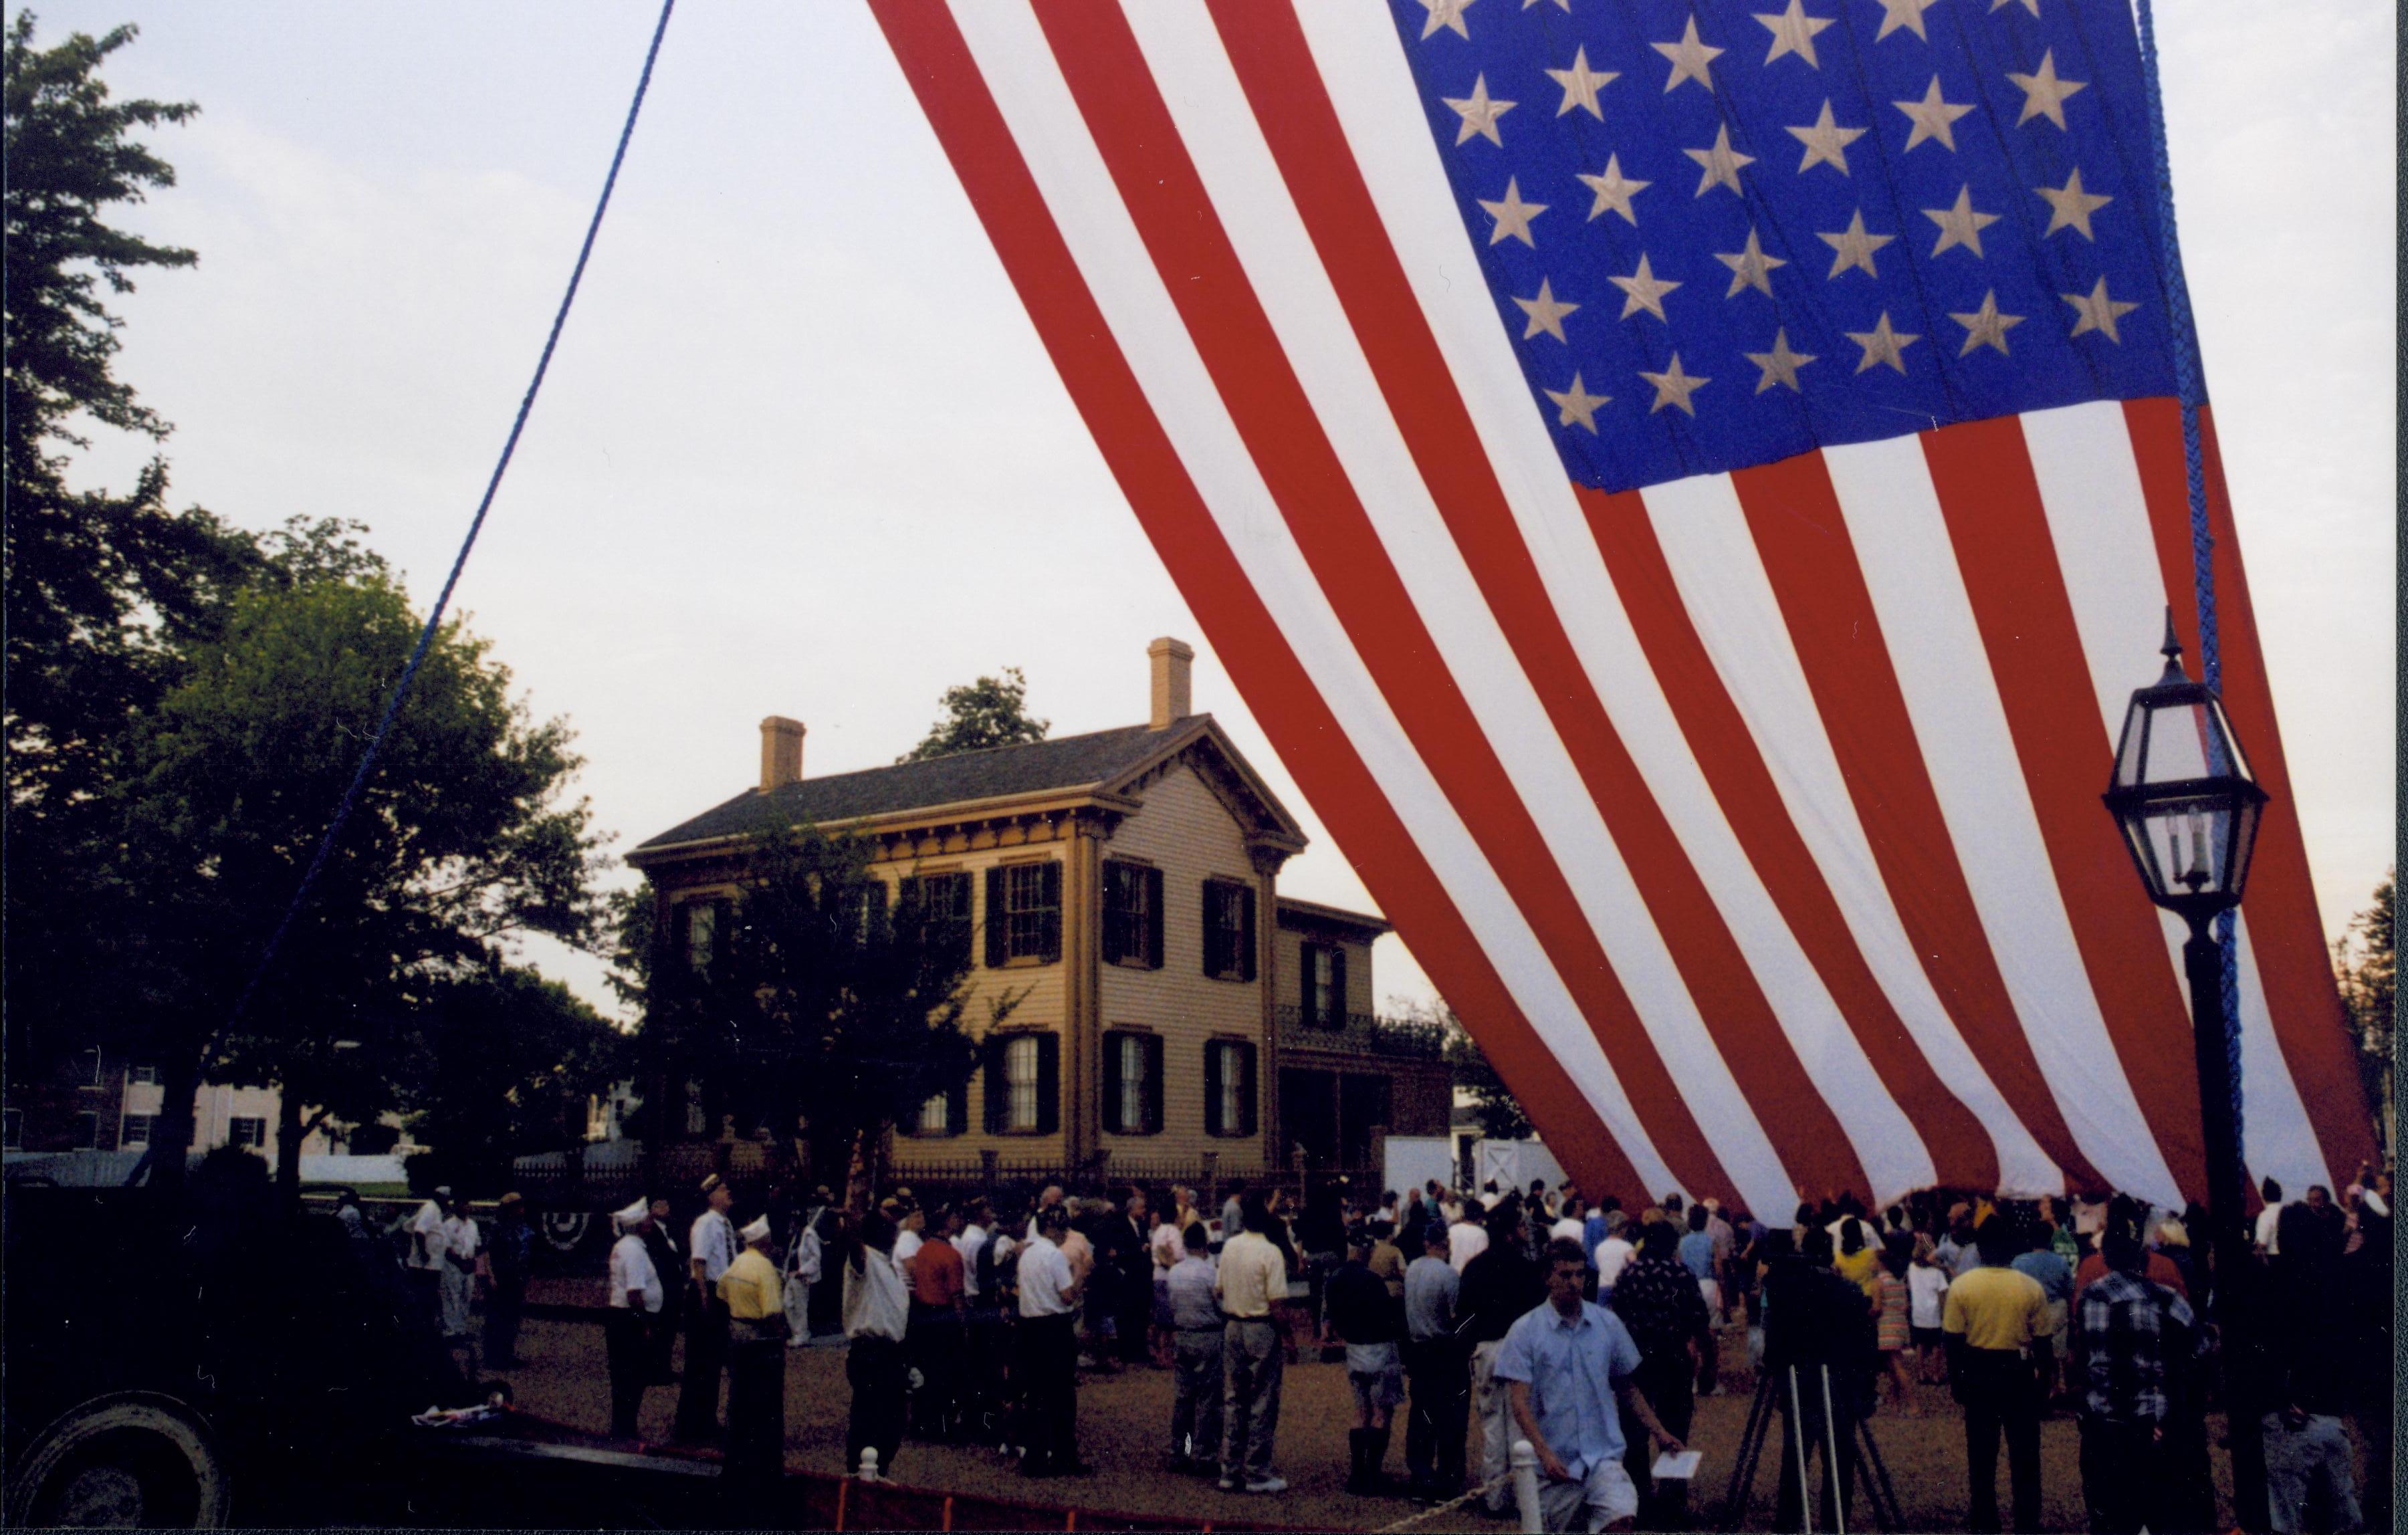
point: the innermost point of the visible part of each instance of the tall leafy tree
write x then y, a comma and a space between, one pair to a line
463, 839
100, 586
2364, 969
499, 1061
990, 712
103, 590
818, 995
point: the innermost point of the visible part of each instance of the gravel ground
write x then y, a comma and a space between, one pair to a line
1124, 1419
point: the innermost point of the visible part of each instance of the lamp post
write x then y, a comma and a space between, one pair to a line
2187, 806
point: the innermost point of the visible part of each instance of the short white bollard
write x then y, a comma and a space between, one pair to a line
869, 1464
1526, 1488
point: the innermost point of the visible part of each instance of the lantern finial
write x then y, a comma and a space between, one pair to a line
2171, 650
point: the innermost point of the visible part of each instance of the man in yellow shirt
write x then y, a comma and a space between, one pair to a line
1997, 1331
756, 1362
1253, 1283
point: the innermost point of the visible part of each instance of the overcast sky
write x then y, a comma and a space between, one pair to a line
801, 453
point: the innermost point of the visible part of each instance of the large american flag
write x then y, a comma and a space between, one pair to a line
1688, 487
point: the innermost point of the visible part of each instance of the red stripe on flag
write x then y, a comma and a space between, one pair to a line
1803, 538
1962, 1153
1274, 65
1247, 640
1108, 80
1991, 502
2285, 932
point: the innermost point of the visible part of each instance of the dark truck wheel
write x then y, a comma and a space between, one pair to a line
122, 1461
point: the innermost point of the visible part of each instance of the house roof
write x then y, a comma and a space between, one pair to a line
1094, 762
1294, 913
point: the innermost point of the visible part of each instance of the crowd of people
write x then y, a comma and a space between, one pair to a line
1586, 1327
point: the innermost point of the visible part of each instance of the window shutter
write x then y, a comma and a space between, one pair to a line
1112, 1075
1154, 918
998, 1090
1152, 1084
957, 1107
1116, 912
1050, 896
1216, 937
1246, 932
1246, 1087
999, 925
907, 896
1048, 1080
1212, 1125
1336, 1018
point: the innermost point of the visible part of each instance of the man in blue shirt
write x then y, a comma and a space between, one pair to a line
1568, 1365
2055, 1274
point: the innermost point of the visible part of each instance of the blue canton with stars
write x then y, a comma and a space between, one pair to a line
1724, 232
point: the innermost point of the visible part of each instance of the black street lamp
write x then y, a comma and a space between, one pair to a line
2188, 808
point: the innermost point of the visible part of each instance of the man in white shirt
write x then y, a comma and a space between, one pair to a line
2271, 1218
1048, 1360
710, 1247
635, 1298
423, 1264
1465, 1239
1614, 1253
877, 1313
1570, 1223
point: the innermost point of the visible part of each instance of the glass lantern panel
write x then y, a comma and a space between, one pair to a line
2225, 752
2242, 846
2177, 748
2130, 745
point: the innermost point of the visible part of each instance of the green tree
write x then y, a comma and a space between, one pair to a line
103, 592
821, 997
2362, 968
497, 1062
100, 587
462, 840
991, 712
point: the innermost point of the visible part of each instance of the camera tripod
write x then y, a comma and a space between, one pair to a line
1795, 1382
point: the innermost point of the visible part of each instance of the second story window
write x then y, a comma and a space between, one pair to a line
1323, 980
704, 923
862, 906
943, 901
136, 1130
1024, 913
1228, 930
1132, 914
247, 1130
142, 1072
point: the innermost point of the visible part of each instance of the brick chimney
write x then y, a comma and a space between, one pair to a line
1171, 661
781, 751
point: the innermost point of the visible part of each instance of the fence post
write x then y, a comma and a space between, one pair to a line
989, 1165
1526, 1488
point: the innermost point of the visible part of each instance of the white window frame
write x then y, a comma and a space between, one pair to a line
125, 1136
235, 1128
1023, 1074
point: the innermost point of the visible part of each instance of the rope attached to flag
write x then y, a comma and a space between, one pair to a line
2193, 394
434, 617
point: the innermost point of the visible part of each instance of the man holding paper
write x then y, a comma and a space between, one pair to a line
1568, 1366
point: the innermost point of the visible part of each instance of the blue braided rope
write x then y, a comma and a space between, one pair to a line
434, 618
2202, 542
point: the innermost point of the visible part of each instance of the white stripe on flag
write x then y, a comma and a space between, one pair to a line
1903, 548
2099, 519
1712, 556
1217, 126
1012, 56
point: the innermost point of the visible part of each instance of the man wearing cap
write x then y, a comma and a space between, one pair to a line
750, 1294
510, 1258
711, 1248
635, 1300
